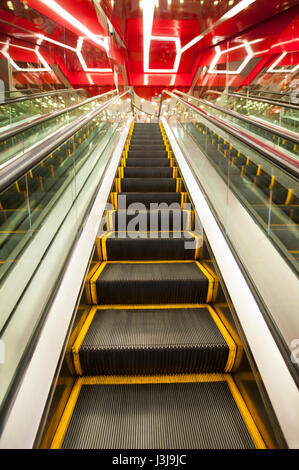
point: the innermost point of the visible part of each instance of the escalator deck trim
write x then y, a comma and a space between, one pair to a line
238, 409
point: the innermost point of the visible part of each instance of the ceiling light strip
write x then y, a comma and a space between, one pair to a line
228, 15
54, 6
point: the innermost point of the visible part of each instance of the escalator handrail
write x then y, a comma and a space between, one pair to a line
286, 163
283, 104
39, 120
280, 132
20, 166
42, 94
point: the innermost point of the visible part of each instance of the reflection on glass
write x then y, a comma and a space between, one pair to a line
43, 211
287, 146
18, 143
12, 113
269, 193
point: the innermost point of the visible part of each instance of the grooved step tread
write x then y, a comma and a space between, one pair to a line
154, 185
144, 172
148, 245
148, 198
152, 162
176, 220
149, 341
155, 282
201, 415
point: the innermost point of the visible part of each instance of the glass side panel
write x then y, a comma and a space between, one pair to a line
279, 115
263, 228
41, 215
286, 146
15, 113
270, 194
19, 143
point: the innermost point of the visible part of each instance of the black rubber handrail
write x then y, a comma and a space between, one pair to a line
19, 167
286, 163
284, 104
41, 119
41, 95
280, 132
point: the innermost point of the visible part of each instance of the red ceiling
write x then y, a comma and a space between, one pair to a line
178, 20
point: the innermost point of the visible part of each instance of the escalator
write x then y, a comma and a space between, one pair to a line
153, 357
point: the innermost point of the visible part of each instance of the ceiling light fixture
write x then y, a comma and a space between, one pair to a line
219, 52
229, 14
237, 9
148, 17
82, 61
77, 51
6, 54
45, 38
54, 6
272, 69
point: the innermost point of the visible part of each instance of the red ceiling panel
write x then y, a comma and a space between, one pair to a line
272, 32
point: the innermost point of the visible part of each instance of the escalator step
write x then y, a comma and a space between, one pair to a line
155, 282
149, 246
152, 162
150, 220
145, 172
139, 147
146, 199
141, 141
156, 185
147, 153
128, 414
149, 341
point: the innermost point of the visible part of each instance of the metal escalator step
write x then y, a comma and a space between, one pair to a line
138, 341
146, 132
155, 185
207, 414
148, 162
146, 199
152, 245
152, 282
145, 172
150, 220
151, 153
147, 146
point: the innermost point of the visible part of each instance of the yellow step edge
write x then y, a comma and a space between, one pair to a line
208, 268
191, 378
85, 327
87, 283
